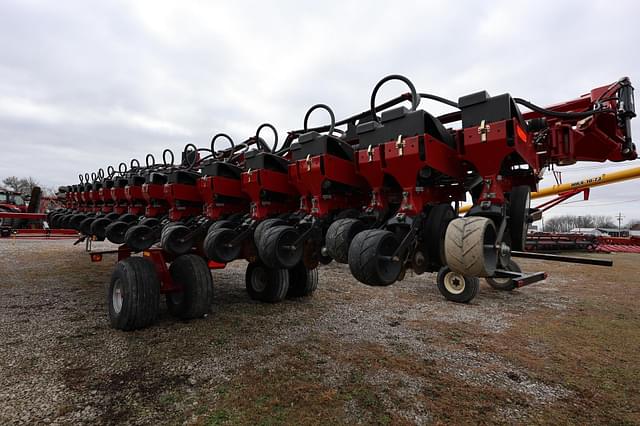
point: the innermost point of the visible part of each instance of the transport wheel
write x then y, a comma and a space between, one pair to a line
217, 248
457, 287
85, 225
263, 226
435, 230
176, 239
504, 284
128, 218
75, 221
150, 222
134, 294
339, 237
276, 247
99, 227
112, 216
139, 237
303, 282
370, 259
470, 246
519, 204
194, 301
266, 284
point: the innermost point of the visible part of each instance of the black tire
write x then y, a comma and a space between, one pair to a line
139, 237
368, 257
504, 284
258, 233
303, 282
99, 227
339, 236
151, 222
75, 221
276, 247
435, 230
348, 214
519, 204
218, 224
85, 226
173, 239
128, 218
216, 245
266, 284
133, 294
113, 216
193, 274
116, 231
64, 221
457, 287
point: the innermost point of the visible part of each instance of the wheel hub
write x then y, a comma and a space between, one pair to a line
454, 283
259, 280
117, 298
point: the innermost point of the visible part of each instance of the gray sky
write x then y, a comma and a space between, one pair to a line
86, 84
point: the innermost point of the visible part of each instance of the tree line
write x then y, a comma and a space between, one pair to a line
566, 223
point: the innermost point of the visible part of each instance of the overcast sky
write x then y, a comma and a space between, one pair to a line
86, 84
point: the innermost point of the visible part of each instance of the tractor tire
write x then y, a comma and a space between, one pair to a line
112, 216
116, 231
139, 237
504, 284
368, 257
435, 231
266, 284
263, 226
339, 236
470, 246
457, 287
133, 294
217, 248
193, 274
98, 228
518, 224
275, 247
303, 282
173, 239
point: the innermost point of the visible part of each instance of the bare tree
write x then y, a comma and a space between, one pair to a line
566, 223
23, 185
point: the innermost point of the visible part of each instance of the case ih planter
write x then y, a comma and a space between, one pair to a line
382, 195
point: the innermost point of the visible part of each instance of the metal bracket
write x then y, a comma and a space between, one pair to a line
370, 153
483, 130
400, 145
308, 161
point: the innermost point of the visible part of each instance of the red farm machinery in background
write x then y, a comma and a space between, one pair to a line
380, 191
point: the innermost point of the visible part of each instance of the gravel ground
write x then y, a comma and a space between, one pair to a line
60, 363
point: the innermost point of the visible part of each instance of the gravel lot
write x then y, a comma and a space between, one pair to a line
562, 351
